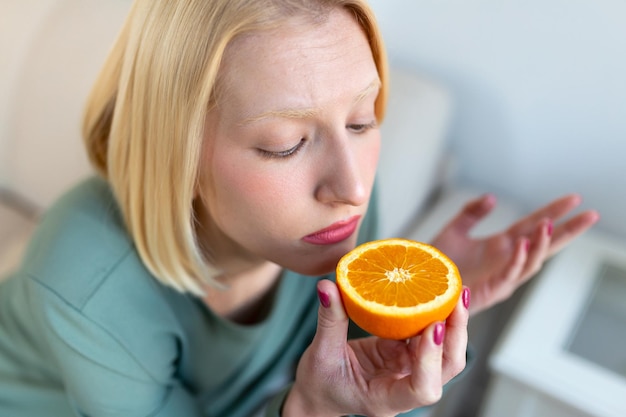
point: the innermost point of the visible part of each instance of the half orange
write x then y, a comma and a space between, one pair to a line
394, 288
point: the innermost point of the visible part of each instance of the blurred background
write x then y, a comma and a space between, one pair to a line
538, 95
525, 99
538, 89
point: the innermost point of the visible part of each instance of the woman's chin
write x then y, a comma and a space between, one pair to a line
320, 261
323, 268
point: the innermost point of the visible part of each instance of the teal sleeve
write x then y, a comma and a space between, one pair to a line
275, 406
102, 378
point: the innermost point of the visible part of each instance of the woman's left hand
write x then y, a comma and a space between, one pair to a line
495, 266
372, 376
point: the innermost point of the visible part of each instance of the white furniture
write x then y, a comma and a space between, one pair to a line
564, 353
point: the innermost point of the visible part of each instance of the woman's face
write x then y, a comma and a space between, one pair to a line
291, 148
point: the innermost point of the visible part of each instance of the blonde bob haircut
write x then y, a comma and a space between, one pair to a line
144, 119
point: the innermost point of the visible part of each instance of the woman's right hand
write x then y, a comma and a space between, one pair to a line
373, 376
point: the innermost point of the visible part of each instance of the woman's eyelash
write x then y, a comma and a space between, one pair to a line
283, 154
360, 127
356, 127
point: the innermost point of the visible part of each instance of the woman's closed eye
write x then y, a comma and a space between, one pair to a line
362, 127
283, 154
357, 128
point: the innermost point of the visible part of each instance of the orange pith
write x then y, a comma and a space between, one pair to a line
394, 288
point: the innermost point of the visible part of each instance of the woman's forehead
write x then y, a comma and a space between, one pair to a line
298, 60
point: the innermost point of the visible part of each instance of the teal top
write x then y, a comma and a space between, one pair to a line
86, 330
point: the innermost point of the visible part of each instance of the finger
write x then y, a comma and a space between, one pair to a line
555, 210
332, 322
455, 344
538, 249
472, 213
560, 207
424, 385
502, 286
569, 230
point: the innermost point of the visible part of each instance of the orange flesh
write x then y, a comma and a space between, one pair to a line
368, 275
395, 288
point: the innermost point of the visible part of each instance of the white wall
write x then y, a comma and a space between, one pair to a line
540, 91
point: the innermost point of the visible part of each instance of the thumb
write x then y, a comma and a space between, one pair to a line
332, 321
472, 213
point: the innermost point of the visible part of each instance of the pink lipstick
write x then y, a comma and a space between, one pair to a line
334, 233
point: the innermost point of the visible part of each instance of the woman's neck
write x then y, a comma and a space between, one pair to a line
247, 295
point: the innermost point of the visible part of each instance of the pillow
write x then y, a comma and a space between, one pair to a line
413, 149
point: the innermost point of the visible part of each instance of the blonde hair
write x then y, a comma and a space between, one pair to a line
144, 119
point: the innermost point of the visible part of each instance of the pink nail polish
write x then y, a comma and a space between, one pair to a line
466, 297
324, 299
438, 334
550, 228
527, 245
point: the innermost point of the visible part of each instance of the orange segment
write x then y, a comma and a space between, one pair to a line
394, 288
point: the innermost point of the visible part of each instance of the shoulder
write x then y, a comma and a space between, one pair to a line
80, 241
89, 287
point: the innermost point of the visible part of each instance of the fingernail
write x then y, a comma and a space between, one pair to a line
466, 297
324, 299
438, 334
550, 227
527, 245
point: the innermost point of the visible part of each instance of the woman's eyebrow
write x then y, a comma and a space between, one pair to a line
308, 112
285, 114
374, 86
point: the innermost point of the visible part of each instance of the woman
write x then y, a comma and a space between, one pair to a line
237, 144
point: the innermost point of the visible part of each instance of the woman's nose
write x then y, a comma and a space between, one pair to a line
342, 178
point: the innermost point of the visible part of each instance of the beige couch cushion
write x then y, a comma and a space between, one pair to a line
413, 150
54, 49
15, 229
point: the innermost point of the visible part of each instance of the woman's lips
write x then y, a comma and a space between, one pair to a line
334, 233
